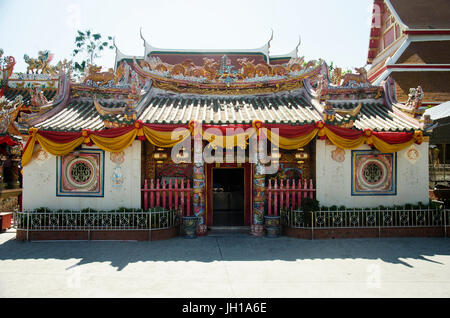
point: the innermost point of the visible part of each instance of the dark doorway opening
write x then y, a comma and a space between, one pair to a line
228, 196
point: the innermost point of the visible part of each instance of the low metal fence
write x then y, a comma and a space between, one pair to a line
367, 218
102, 221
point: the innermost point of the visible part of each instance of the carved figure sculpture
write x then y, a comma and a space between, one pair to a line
41, 63
37, 98
6, 65
414, 98
211, 68
248, 68
279, 70
296, 64
96, 76
359, 78
336, 76
263, 69
123, 74
322, 86
311, 64
8, 114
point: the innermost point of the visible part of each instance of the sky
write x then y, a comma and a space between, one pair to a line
333, 30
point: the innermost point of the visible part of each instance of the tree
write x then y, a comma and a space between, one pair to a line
90, 44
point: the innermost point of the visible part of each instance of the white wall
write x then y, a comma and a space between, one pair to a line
333, 179
39, 184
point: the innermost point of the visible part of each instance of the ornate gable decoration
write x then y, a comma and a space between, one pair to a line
221, 77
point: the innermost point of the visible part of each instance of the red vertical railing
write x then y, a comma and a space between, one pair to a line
286, 196
168, 195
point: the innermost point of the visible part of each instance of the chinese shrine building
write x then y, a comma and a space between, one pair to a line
108, 143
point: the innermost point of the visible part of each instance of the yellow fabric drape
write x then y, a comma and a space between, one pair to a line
28, 153
58, 149
388, 148
115, 144
342, 142
290, 143
164, 138
237, 140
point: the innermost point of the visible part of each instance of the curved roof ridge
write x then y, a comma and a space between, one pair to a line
292, 54
263, 49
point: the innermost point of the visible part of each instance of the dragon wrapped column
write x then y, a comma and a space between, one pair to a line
258, 192
198, 200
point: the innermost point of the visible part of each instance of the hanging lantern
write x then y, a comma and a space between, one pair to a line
160, 155
301, 154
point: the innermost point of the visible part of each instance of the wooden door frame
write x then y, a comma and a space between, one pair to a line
247, 189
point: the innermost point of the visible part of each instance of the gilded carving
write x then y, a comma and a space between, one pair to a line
40, 63
94, 75
360, 78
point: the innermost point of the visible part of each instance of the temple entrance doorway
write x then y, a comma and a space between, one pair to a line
228, 196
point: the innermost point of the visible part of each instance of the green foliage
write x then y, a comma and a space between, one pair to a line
88, 210
308, 206
42, 209
157, 209
89, 45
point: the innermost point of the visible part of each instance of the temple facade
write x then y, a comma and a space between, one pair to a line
227, 137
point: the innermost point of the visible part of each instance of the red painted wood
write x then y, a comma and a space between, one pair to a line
275, 201
287, 194
293, 194
188, 199
305, 187
158, 193
281, 197
269, 194
152, 195
176, 194
145, 195
182, 199
170, 194
164, 193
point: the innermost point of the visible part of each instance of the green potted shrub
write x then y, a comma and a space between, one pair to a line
308, 206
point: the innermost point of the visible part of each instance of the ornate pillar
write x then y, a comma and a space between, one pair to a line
258, 189
198, 200
257, 227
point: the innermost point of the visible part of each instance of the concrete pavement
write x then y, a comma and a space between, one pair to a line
228, 266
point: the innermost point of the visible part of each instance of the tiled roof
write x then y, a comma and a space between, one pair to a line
79, 114
229, 110
12, 93
376, 116
160, 107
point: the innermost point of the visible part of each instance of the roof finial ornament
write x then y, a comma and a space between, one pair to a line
298, 45
142, 37
114, 43
270, 40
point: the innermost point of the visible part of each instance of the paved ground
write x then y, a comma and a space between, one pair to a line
229, 266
